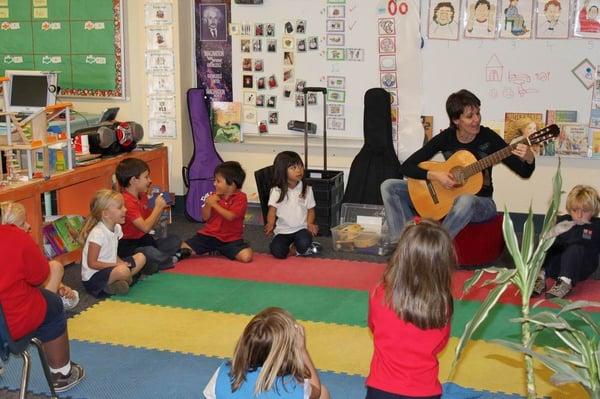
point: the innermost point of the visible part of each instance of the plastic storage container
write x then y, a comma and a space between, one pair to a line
363, 228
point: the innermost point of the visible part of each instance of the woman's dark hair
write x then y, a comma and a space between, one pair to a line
282, 162
458, 102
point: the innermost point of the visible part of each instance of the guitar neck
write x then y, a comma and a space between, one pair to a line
490, 160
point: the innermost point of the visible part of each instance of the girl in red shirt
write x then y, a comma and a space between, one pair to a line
409, 315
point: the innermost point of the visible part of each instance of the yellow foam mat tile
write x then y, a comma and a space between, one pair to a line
337, 348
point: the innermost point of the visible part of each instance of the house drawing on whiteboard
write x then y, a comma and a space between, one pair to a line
493, 70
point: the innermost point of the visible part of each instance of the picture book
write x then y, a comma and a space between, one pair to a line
595, 141
51, 237
572, 140
48, 250
521, 124
427, 121
76, 222
67, 233
227, 118
560, 116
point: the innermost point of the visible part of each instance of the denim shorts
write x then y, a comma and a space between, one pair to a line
55, 322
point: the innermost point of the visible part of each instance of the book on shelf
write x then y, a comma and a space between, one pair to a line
520, 123
560, 116
572, 140
67, 233
51, 237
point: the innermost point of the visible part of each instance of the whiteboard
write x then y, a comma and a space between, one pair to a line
507, 75
360, 31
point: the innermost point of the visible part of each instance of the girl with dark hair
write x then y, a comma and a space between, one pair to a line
291, 216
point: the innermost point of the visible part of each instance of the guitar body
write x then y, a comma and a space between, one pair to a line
432, 200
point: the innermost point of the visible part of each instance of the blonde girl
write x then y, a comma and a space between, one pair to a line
14, 213
270, 360
409, 315
101, 269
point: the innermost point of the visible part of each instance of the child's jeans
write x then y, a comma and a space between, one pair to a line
158, 252
280, 246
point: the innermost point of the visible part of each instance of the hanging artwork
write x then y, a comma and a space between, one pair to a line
481, 19
516, 19
553, 19
443, 19
587, 19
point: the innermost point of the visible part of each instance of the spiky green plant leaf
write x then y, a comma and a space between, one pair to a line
510, 238
478, 318
564, 371
472, 281
502, 276
528, 237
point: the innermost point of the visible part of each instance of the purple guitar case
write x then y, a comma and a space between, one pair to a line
198, 175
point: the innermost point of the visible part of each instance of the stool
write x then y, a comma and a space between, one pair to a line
480, 243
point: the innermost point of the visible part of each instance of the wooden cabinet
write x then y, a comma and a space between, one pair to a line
74, 188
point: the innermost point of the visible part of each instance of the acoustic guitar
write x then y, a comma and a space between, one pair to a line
432, 200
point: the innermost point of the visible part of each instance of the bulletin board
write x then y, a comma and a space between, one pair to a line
346, 61
81, 39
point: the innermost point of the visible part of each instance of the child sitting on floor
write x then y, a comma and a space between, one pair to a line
224, 211
14, 213
270, 361
101, 269
573, 256
291, 214
409, 315
133, 176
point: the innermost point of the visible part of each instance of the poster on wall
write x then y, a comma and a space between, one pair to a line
213, 48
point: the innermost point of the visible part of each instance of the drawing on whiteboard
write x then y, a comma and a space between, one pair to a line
521, 80
493, 93
481, 19
494, 70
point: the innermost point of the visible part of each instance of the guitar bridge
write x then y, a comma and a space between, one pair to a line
432, 192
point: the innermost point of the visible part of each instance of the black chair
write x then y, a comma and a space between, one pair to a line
264, 179
8, 347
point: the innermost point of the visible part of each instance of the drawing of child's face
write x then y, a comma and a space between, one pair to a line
444, 15
552, 13
482, 12
593, 13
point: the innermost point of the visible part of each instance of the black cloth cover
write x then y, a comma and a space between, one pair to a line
377, 160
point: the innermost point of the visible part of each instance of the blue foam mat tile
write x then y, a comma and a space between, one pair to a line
116, 372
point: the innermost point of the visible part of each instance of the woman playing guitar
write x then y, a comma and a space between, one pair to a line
449, 186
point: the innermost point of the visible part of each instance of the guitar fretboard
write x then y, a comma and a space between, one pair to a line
490, 160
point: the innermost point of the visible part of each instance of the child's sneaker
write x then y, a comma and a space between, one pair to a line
70, 303
63, 383
539, 287
183, 253
314, 248
119, 287
559, 290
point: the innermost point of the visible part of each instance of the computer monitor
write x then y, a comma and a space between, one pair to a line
30, 91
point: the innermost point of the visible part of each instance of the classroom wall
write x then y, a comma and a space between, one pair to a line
258, 152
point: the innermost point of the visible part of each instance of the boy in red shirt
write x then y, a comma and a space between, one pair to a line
133, 176
224, 212
29, 308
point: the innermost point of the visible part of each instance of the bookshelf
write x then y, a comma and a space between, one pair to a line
74, 189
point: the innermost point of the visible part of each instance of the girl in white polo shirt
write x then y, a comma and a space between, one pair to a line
291, 216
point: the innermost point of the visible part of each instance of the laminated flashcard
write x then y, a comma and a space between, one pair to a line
336, 11
162, 128
261, 83
271, 45
387, 44
389, 80
587, 19
301, 45
335, 109
584, 71
336, 123
335, 25
249, 97
288, 58
270, 30
161, 106
161, 83
355, 54
257, 45
311, 98
260, 100
301, 26
387, 62
158, 14
552, 19
335, 54
259, 29
313, 42
247, 64
444, 18
245, 45
299, 100
288, 75
386, 26
273, 118
335, 39
160, 61
336, 82
288, 43
480, 17
271, 101
517, 19
249, 114
247, 81
258, 65
337, 96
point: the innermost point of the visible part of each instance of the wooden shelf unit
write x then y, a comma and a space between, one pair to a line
75, 188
